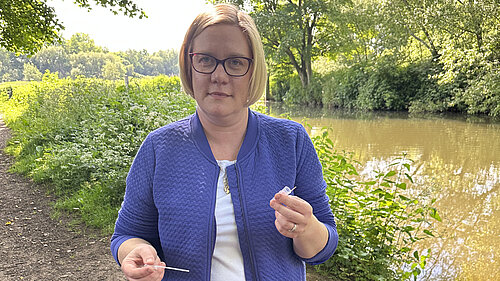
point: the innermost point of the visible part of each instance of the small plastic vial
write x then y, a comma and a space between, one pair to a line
286, 190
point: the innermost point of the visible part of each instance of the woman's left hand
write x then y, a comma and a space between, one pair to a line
295, 219
294, 215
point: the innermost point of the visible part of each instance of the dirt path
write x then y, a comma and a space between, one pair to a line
33, 246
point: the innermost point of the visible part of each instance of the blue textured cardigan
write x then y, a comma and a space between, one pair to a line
171, 191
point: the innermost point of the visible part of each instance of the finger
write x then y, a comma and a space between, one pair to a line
294, 202
287, 213
133, 272
285, 227
288, 217
146, 273
284, 223
147, 254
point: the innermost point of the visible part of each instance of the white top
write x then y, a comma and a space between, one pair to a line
227, 261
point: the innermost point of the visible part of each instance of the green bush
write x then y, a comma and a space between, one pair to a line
375, 90
81, 135
474, 78
385, 85
466, 81
279, 86
289, 89
341, 87
483, 94
377, 220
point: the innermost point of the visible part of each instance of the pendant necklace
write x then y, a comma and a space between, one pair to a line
226, 184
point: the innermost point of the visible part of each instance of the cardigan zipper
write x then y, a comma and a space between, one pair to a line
212, 235
245, 223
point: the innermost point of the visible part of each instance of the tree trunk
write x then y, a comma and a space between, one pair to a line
268, 90
301, 69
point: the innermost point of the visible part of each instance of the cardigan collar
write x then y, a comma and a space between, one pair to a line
247, 146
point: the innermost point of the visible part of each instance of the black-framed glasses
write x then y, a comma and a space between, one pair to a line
233, 66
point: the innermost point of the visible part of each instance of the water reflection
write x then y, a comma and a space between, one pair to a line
457, 161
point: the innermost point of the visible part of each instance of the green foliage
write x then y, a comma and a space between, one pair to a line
31, 73
81, 43
81, 135
127, 7
473, 78
290, 90
483, 93
11, 66
378, 221
96, 64
354, 34
411, 55
113, 70
385, 85
79, 56
26, 26
341, 87
53, 59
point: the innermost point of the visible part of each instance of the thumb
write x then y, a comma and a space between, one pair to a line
147, 253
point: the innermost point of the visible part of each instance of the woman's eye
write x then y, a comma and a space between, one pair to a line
204, 59
235, 62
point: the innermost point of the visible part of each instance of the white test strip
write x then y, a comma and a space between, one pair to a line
167, 267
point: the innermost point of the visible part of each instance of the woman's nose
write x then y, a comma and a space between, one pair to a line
219, 75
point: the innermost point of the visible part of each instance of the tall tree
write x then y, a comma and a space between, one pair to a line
416, 18
31, 73
137, 59
471, 24
11, 66
290, 30
26, 25
358, 35
170, 64
113, 69
54, 59
81, 42
89, 64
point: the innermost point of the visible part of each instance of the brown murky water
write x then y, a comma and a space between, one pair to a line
457, 160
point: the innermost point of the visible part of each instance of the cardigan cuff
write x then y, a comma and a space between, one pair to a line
328, 250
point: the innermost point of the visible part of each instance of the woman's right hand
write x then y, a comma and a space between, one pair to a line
133, 264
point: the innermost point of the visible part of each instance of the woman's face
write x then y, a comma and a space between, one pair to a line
218, 94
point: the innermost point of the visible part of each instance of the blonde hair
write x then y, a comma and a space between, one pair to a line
226, 14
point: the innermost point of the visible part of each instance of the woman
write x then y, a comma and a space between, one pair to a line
201, 191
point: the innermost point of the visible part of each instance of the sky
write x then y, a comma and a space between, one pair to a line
164, 28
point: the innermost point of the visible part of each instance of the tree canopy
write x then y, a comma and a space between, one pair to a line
26, 25
80, 56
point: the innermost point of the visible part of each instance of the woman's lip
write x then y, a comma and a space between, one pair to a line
219, 94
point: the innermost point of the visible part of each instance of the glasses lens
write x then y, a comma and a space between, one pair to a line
203, 63
236, 66
206, 64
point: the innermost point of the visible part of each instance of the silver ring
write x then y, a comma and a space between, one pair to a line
293, 228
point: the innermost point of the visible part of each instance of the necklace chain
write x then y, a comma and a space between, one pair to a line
226, 184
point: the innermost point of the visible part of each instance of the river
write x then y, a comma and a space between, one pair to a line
457, 161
